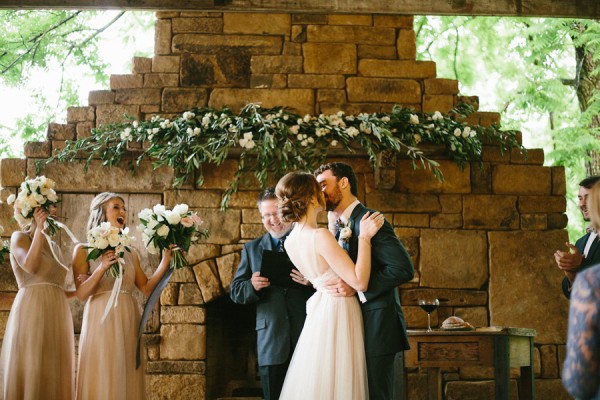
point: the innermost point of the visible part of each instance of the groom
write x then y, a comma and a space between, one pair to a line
385, 328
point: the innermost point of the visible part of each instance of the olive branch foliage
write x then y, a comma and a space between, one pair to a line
270, 142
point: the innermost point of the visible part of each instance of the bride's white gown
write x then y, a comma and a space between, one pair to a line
329, 359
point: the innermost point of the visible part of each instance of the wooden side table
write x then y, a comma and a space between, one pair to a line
499, 347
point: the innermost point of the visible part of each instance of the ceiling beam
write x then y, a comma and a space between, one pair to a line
525, 8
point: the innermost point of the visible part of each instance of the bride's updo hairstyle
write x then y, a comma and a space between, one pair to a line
295, 192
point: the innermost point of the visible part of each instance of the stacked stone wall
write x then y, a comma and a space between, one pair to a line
481, 240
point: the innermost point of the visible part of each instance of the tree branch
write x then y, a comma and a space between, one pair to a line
36, 40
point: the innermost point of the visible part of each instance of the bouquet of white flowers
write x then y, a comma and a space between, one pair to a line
106, 237
162, 228
34, 193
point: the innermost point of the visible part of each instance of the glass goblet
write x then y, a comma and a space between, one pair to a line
429, 306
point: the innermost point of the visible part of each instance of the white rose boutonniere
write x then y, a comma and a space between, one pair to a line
345, 232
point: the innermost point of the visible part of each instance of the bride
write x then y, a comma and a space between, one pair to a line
329, 360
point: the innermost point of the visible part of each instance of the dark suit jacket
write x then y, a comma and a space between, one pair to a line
592, 258
385, 327
280, 312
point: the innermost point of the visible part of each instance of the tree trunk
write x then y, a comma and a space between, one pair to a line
586, 85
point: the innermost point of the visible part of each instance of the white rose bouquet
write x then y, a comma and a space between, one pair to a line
161, 229
34, 193
107, 237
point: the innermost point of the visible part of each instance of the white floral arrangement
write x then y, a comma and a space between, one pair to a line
34, 193
106, 237
273, 141
178, 229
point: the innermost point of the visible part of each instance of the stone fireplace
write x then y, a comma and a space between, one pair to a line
482, 239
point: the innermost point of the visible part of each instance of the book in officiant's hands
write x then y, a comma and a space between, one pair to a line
277, 266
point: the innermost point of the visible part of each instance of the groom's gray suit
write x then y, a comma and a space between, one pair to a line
385, 327
280, 315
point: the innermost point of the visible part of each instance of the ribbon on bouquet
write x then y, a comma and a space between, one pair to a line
148, 307
58, 257
113, 300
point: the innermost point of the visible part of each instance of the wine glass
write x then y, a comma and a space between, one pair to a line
429, 306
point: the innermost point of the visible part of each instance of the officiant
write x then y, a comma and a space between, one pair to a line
267, 278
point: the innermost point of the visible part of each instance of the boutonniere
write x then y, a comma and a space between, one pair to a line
344, 229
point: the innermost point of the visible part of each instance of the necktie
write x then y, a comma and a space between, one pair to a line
280, 246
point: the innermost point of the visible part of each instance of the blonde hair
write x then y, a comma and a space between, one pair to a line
98, 208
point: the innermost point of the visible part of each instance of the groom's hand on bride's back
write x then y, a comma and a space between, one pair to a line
259, 282
338, 288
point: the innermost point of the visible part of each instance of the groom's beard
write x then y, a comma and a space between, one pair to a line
333, 200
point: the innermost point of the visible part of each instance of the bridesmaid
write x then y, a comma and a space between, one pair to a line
38, 353
107, 364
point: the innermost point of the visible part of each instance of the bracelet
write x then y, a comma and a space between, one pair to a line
365, 239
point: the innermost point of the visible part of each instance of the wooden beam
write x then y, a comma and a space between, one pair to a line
528, 8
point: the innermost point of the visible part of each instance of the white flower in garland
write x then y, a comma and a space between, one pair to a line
437, 116
126, 134
322, 132
247, 142
414, 119
457, 132
188, 115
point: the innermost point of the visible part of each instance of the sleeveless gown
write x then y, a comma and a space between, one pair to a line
329, 360
38, 352
106, 368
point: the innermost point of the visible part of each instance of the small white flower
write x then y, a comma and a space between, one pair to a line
417, 138
135, 124
437, 115
452, 147
457, 132
345, 233
172, 217
181, 209
11, 199
294, 129
414, 119
385, 119
334, 143
126, 134
163, 231
188, 115
353, 132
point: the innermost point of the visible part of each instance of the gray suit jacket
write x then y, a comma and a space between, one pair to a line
385, 327
280, 312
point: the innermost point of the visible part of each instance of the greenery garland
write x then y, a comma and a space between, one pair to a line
274, 141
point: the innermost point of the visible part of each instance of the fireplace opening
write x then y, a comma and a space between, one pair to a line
231, 358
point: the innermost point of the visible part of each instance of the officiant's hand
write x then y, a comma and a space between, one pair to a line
299, 278
259, 282
338, 288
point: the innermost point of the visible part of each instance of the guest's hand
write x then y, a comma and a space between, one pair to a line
338, 288
569, 261
259, 282
299, 278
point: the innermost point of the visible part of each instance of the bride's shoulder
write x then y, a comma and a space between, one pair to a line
322, 233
